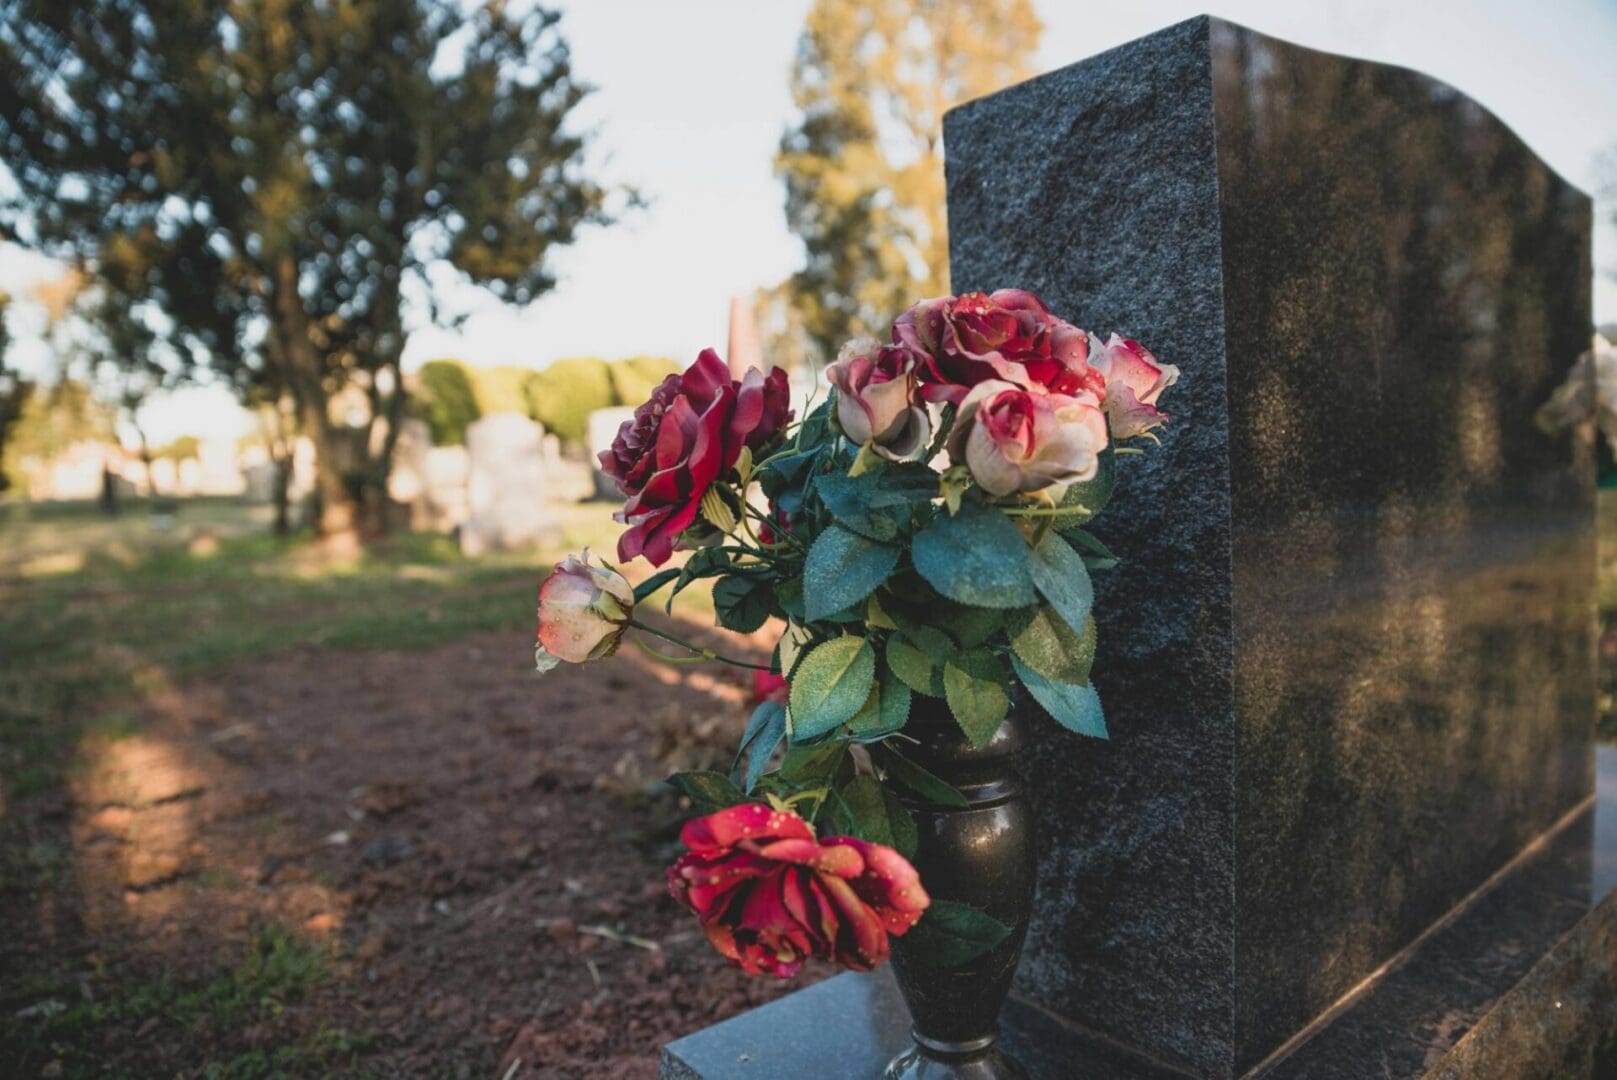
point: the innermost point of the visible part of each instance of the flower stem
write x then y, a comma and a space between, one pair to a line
701, 653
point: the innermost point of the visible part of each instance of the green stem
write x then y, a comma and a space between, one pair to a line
701, 653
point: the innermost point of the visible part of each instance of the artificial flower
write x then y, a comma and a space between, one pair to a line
684, 439
583, 612
769, 895
1015, 440
1009, 335
1134, 381
877, 404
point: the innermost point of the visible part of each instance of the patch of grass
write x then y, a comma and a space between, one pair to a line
278, 969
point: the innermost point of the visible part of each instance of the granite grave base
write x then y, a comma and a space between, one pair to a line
1518, 981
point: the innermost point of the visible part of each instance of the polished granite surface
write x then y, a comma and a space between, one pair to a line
1521, 982
1348, 659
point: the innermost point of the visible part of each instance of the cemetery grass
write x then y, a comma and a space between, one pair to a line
267, 814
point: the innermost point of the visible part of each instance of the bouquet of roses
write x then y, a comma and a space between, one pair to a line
920, 532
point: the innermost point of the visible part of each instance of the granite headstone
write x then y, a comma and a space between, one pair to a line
1348, 658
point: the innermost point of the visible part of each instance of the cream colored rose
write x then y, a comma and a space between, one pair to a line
877, 405
1014, 440
583, 612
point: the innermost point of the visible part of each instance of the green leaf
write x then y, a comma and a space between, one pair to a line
765, 730
1063, 579
789, 595
976, 696
703, 563
655, 582
830, 684
741, 603
952, 933
708, 791
971, 626
1090, 497
811, 765
976, 557
877, 816
885, 711
901, 770
1076, 708
914, 666
849, 498
904, 483
1044, 642
1083, 538
842, 569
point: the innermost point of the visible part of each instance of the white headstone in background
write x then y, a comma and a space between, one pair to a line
217, 471
445, 473
601, 428
506, 488
407, 481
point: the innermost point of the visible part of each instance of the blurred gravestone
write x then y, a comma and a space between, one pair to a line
505, 486
446, 471
602, 430
407, 480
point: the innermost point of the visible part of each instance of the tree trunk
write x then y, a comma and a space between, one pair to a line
282, 493
302, 375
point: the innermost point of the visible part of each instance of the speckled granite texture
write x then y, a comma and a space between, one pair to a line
1348, 661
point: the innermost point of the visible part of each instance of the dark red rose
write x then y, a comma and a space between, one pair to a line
688, 435
1009, 335
769, 895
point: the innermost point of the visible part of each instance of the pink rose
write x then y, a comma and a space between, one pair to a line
1134, 381
686, 437
583, 612
769, 895
877, 404
1009, 335
1015, 440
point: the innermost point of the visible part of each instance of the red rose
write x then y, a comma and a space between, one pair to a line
688, 435
769, 895
1009, 335
768, 686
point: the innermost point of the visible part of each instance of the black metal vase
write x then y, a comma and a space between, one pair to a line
981, 855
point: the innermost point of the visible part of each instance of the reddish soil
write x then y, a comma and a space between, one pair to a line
482, 848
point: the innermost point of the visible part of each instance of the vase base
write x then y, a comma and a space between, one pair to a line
988, 1063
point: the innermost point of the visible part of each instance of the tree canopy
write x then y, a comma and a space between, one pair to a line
863, 166
261, 182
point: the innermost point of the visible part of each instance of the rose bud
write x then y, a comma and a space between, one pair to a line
583, 612
876, 399
769, 895
1134, 381
683, 440
1013, 440
1009, 335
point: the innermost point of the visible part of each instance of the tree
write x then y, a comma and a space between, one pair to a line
863, 166
261, 182
14, 393
447, 400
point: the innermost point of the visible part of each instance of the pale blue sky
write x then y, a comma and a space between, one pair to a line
693, 97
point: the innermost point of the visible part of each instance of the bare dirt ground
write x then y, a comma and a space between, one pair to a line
456, 865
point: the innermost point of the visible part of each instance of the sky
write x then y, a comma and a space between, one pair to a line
692, 98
